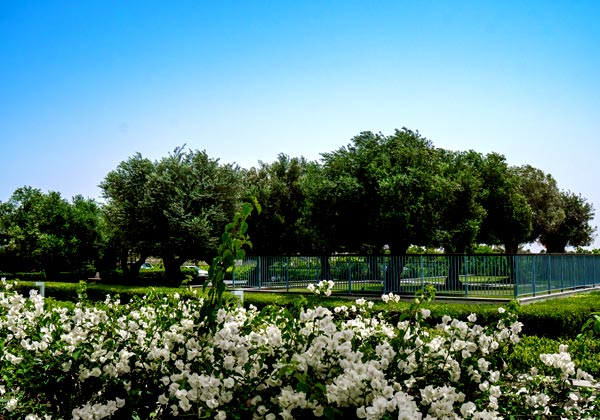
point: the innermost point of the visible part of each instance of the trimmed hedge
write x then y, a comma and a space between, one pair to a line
68, 292
148, 277
561, 317
585, 353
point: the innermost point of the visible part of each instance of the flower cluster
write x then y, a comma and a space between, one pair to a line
156, 357
324, 287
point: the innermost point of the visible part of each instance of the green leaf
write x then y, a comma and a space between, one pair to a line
225, 238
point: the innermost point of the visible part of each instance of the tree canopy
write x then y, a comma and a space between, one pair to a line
379, 191
574, 229
43, 231
278, 186
174, 208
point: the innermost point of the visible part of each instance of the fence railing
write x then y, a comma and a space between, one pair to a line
493, 276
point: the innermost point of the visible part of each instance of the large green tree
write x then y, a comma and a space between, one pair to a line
461, 211
174, 208
543, 197
280, 228
43, 231
575, 229
379, 190
128, 216
509, 217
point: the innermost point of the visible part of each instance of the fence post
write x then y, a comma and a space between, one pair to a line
562, 273
593, 269
287, 274
259, 273
466, 264
516, 281
385, 276
421, 271
349, 275
549, 273
42, 286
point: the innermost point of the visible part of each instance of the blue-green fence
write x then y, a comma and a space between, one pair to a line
496, 276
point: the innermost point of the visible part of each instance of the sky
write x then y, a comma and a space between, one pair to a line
84, 85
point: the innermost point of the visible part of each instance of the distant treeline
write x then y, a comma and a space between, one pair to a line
377, 194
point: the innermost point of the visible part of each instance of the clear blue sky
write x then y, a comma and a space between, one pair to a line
86, 84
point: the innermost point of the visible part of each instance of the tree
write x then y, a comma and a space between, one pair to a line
379, 190
461, 209
128, 217
280, 228
509, 218
543, 197
575, 229
174, 208
46, 232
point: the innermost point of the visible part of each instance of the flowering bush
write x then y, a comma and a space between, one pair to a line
157, 357
324, 287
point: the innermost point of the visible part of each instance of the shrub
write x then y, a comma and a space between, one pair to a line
158, 357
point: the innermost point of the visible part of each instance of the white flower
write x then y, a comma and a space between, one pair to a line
467, 409
163, 400
184, 403
11, 404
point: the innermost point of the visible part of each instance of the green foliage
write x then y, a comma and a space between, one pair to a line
584, 351
509, 217
26, 276
46, 232
174, 208
574, 229
591, 328
281, 227
231, 249
386, 187
461, 210
543, 197
68, 292
559, 318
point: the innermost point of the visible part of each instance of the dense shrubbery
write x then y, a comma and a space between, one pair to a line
159, 356
553, 319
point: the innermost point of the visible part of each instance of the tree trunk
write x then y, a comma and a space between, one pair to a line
123, 263
325, 268
455, 266
134, 268
173, 269
511, 250
555, 247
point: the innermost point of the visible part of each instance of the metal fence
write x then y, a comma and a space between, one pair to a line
484, 276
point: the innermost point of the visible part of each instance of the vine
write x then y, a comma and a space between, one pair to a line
233, 241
